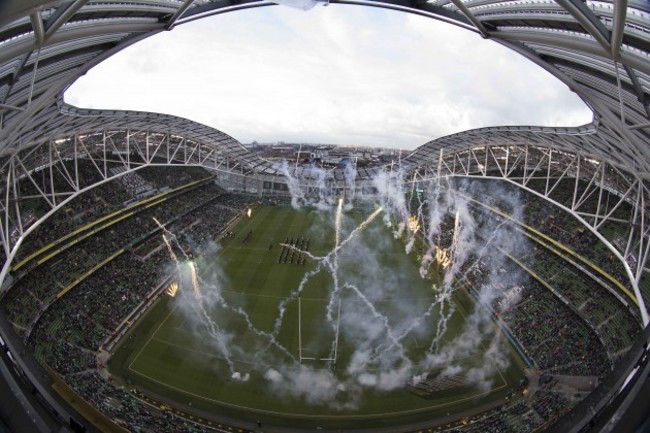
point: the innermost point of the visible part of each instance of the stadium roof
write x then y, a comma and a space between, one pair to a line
600, 49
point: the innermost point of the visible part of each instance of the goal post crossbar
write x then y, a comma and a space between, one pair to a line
336, 338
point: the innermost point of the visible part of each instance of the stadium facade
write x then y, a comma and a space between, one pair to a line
599, 49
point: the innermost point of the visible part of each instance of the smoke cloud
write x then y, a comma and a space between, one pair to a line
380, 315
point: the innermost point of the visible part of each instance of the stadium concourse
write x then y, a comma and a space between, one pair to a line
84, 258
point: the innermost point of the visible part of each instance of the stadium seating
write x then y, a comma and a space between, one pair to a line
66, 302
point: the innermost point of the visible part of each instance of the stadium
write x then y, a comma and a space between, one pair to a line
158, 276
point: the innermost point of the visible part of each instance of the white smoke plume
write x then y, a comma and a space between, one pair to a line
378, 320
350, 175
308, 186
390, 193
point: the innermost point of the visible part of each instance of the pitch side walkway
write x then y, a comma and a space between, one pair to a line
235, 425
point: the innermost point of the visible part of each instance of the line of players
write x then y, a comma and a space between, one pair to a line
289, 254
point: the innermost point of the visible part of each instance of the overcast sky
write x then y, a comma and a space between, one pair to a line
337, 74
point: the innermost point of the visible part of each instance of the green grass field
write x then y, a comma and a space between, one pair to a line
175, 353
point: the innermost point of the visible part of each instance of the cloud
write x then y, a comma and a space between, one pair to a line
342, 74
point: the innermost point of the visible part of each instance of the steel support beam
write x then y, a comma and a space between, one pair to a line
11, 107
581, 45
61, 16
12, 10
470, 16
588, 21
39, 29
65, 35
618, 27
178, 14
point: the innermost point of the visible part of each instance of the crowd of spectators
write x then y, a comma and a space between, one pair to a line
523, 415
97, 202
604, 313
130, 412
136, 186
557, 223
549, 332
554, 336
49, 278
171, 177
65, 333
588, 292
92, 204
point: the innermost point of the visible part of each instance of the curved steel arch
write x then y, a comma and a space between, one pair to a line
44, 47
523, 157
599, 49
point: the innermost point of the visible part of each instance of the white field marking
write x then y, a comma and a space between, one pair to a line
236, 246
201, 352
461, 310
152, 335
503, 381
234, 292
347, 416
236, 360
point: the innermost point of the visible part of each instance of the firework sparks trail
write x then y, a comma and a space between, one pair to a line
197, 282
419, 215
456, 238
172, 254
270, 337
333, 263
482, 251
329, 262
412, 188
444, 299
282, 308
337, 226
377, 315
414, 323
167, 235
323, 261
357, 230
167, 243
433, 198
448, 289
213, 328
